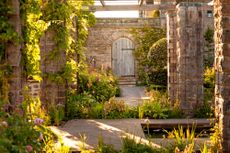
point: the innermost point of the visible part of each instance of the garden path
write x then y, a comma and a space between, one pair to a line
112, 131
132, 95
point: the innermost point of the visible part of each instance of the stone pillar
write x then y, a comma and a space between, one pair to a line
172, 55
190, 55
13, 52
51, 91
222, 67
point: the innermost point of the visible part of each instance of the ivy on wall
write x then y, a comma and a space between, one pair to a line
69, 21
7, 35
33, 28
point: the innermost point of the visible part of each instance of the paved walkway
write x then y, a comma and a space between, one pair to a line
112, 131
132, 95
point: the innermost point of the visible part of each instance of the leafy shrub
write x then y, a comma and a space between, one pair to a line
97, 111
145, 38
79, 105
204, 111
56, 113
157, 62
18, 135
159, 106
114, 108
22, 131
153, 109
99, 83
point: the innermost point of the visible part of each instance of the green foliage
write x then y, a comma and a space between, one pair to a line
104, 148
145, 38
209, 48
32, 107
157, 54
208, 35
102, 84
114, 109
7, 35
216, 139
19, 134
56, 114
204, 111
159, 107
79, 105
22, 131
33, 28
157, 62
69, 23
130, 145
184, 139
153, 109
5, 74
209, 78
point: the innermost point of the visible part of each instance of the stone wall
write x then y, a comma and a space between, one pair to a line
13, 52
185, 32
106, 31
222, 67
190, 56
51, 91
172, 55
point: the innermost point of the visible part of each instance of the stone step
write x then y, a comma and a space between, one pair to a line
127, 81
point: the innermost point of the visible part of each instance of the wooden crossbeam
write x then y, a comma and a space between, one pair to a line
133, 7
140, 2
102, 2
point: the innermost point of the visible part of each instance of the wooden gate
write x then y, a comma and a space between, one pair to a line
122, 57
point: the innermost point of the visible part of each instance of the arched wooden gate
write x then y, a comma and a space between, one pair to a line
122, 57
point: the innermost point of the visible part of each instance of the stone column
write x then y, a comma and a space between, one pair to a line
190, 55
222, 67
52, 92
172, 55
13, 52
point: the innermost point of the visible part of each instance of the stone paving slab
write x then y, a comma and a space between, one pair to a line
112, 131
132, 95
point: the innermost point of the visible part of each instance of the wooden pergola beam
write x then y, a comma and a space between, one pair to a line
140, 2
132, 7
102, 2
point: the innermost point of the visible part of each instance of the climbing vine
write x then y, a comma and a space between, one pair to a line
69, 21
33, 28
7, 35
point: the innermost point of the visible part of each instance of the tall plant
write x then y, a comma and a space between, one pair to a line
145, 38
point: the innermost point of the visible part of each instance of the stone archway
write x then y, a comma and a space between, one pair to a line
122, 57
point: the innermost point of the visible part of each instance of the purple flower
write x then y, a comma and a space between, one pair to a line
38, 121
29, 148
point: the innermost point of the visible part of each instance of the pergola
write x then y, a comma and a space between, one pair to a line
128, 5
